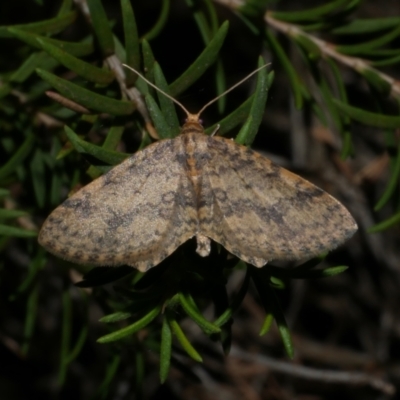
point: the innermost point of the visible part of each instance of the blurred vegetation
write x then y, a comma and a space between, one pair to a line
69, 111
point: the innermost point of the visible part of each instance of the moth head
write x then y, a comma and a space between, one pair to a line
193, 124
193, 118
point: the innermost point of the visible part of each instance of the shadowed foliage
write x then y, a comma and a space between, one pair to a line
212, 327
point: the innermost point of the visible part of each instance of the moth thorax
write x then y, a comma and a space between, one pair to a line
192, 127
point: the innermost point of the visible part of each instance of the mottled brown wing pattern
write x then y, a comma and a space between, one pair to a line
262, 212
136, 214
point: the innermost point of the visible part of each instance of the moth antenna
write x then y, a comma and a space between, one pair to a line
231, 88
197, 115
158, 89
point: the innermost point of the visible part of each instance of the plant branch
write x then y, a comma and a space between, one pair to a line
115, 65
327, 376
327, 49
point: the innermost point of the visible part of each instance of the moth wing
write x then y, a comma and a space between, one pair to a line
136, 214
262, 212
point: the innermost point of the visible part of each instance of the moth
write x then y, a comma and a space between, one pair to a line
194, 185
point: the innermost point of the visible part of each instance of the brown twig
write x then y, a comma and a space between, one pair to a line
115, 65
67, 103
327, 49
326, 376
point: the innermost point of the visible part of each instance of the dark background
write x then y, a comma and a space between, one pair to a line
347, 323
